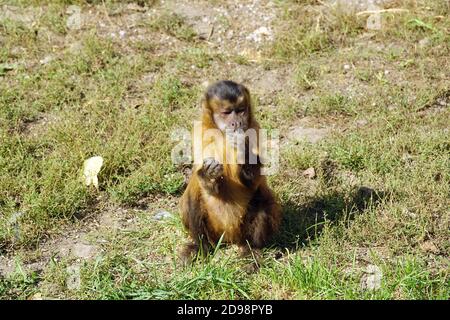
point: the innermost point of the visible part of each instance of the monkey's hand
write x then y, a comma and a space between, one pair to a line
249, 172
212, 169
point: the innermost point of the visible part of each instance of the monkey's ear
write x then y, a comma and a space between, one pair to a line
205, 106
246, 91
246, 94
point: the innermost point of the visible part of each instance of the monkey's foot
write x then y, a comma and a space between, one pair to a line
188, 253
253, 258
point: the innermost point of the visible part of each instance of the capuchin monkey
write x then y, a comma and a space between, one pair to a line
227, 198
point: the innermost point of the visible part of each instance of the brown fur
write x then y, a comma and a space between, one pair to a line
238, 204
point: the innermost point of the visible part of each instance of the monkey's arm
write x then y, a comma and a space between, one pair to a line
250, 170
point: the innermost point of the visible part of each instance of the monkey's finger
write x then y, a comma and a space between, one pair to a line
213, 167
217, 170
207, 162
214, 164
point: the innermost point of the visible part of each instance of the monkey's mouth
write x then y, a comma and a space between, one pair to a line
235, 133
235, 137
239, 130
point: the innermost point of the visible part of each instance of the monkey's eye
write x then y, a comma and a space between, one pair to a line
226, 112
240, 110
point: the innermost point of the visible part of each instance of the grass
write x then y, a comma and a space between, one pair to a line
173, 25
380, 196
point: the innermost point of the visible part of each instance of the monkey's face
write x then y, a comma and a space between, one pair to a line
231, 116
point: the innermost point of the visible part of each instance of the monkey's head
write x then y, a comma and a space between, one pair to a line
227, 105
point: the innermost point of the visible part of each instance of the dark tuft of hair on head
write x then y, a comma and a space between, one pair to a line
225, 90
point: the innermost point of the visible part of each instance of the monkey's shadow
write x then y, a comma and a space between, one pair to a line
303, 223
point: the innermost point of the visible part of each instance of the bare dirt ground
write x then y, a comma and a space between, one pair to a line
225, 27
235, 29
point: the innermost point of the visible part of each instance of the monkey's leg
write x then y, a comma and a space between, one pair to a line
188, 253
193, 220
262, 220
192, 250
256, 229
253, 256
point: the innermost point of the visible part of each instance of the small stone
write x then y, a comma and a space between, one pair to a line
361, 122
46, 60
203, 29
13, 13
310, 173
15, 217
372, 280
162, 215
429, 246
260, 34
35, 266
407, 158
84, 251
74, 21
135, 7
75, 47
311, 135
374, 22
205, 84
73, 9
73, 280
7, 267
424, 42
349, 177
37, 296
409, 213
149, 78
